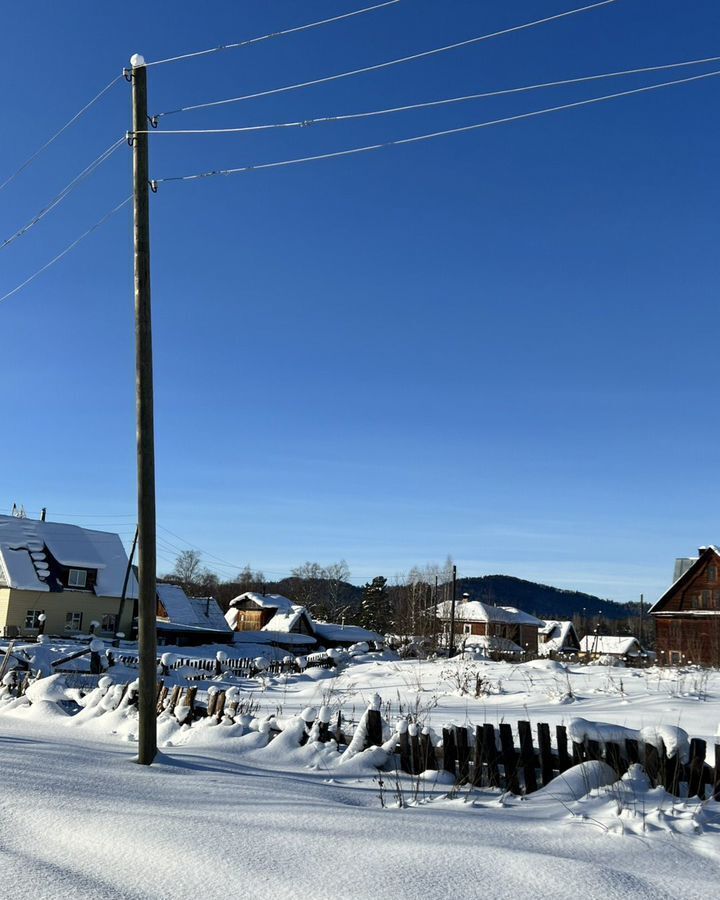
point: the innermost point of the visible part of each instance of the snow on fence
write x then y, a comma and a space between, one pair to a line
244, 667
517, 761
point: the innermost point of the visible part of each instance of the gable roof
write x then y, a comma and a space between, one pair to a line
476, 611
559, 634
285, 620
198, 612
264, 601
330, 631
26, 543
687, 573
610, 645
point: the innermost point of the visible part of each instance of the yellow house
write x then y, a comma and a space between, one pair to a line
73, 576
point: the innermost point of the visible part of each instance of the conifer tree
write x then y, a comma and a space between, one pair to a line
375, 611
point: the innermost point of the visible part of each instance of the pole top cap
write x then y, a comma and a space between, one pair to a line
137, 59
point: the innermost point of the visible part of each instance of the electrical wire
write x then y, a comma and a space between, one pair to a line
273, 34
65, 192
385, 65
57, 134
67, 249
434, 134
302, 123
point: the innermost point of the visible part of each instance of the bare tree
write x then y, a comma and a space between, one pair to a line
337, 575
188, 567
307, 584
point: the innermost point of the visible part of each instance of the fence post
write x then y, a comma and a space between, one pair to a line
632, 750
478, 757
509, 758
613, 758
491, 755
373, 728
161, 698
564, 761
463, 751
415, 760
404, 741
527, 755
427, 751
652, 763
696, 769
547, 765
449, 751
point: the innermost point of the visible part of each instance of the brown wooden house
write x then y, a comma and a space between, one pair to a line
496, 628
687, 616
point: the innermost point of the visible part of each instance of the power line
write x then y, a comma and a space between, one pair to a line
65, 192
434, 134
302, 123
385, 65
67, 249
57, 134
273, 34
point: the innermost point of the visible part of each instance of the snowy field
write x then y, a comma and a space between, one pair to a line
224, 812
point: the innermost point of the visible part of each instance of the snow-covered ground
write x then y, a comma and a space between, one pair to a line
223, 812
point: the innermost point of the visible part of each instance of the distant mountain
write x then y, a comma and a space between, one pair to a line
541, 600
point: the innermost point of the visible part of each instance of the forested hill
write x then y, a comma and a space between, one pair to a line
540, 599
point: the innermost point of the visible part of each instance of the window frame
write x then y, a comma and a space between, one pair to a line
82, 572
115, 623
34, 613
71, 618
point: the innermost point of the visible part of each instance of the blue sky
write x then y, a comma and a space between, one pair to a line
498, 345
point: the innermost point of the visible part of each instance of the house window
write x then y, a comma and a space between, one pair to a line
73, 621
675, 657
31, 618
109, 623
467, 629
712, 573
77, 578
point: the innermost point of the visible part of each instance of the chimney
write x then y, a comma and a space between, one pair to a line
43, 513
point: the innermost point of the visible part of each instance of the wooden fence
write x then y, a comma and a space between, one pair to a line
519, 764
486, 756
243, 667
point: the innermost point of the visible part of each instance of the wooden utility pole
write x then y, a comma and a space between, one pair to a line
147, 607
642, 616
451, 647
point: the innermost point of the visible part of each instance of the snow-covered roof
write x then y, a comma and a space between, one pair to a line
286, 620
264, 601
208, 613
25, 543
558, 637
610, 645
329, 631
476, 611
196, 612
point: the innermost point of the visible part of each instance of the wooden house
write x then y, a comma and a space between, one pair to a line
624, 647
271, 619
276, 619
557, 637
72, 576
687, 616
497, 628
